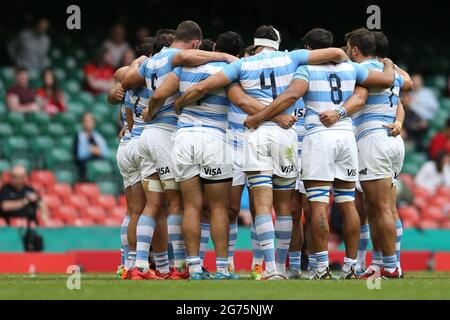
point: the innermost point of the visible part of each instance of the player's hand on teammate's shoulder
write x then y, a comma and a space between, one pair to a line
285, 121
329, 117
387, 61
395, 128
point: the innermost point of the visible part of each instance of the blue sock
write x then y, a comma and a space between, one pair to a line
194, 264
321, 260
170, 255
232, 244
176, 239
124, 240
144, 234
257, 253
204, 239
266, 237
377, 258
162, 262
295, 258
312, 263
390, 262
283, 233
222, 265
398, 239
364, 235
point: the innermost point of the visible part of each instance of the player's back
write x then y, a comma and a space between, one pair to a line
155, 70
123, 117
329, 86
137, 101
380, 107
212, 110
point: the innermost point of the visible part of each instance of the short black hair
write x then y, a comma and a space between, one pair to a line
266, 32
381, 44
161, 41
363, 39
318, 38
207, 45
249, 51
165, 30
229, 42
188, 30
146, 47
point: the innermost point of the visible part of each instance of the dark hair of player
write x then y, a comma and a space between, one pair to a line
161, 41
207, 45
363, 39
19, 69
381, 44
266, 32
146, 47
248, 51
163, 31
187, 31
229, 42
318, 38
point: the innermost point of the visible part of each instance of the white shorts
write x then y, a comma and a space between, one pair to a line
203, 152
380, 156
299, 186
271, 148
155, 150
236, 143
129, 163
328, 155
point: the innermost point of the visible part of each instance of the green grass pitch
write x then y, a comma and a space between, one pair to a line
417, 285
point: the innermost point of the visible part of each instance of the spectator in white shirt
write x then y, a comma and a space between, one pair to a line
116, 45
435, 173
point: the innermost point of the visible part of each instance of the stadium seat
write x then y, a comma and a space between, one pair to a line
66, 118
76, 108
433, 213
108, 130
122, 200
99, 170
421, 192
96, 213
16, 147
119, 212
43, 177
84, 222
106, 201
112, 222
5, 165
86, 98
88, 190
18, 222
56, 130
15, 119
28, 129
6, 130
67, 213
445, 224
428, 224
42, 119
52, 200
440, 201
60, 74
41, 144
59, 158
107, 187
63, 190
25, 162
66, 142
409, 213
53, 223
65, 176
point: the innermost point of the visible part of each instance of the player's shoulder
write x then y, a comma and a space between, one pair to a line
373, 64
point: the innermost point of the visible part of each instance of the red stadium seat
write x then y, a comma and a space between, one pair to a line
439, 201
52, 200
89, 190
84, 222
443, 192
64, 190
409, 213
53, 223
119, 212
2, 222
67, 213
78, 201
122, 200
18, 222
96, 213
408, 223
433, 213
428, 224
5, 177
420, 202
421, 192
44, 178
445, 224
113, 222
107, 201
407, 179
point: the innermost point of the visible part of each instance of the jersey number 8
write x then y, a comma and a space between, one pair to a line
335, 84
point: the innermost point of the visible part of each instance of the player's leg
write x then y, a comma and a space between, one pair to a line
296, 244
191, 190
398, 227
124, 234
344, 196
138, 197
233, 214
257, 252
154, 201
159, 245
364, 233
205, 226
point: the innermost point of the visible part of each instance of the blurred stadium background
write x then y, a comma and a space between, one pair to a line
83, 215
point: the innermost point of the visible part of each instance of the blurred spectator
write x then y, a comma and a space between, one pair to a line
435, 173
18, 199
89, 145
51, 96
100, 74
116, 45
128, 57
207, 45
440, 142
30, 48
20, 97
140, 35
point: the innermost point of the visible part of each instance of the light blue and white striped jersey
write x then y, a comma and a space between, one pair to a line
267, 74
137, 101
236, 118
299, 112
381, 105
155, 70
211, 111
123, 116
329, 86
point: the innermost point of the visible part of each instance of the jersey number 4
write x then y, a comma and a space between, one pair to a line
273, 85
335, 84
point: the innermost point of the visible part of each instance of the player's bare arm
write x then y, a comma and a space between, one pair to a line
353, 104
215, 82
194, 57
130, 118
252, 106
407, 82
168, 88
383, 79
295, 91
132, 78
396, 127
321, 56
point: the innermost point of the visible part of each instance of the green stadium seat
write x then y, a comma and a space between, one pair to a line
108, 187
55, 130
410, 168
16, 147
42, 119
65, 176
102, 98
99, 170
72, 87
60, 73
86, 98
67, 119
438, 81
59, 158
28, 129
41, 144
439, 119
6, 130
26, 163
66, 142
107, 129
55, 53
113, 142
101, 111
7, 74
15, 118
5, 165
76, 108
445, 104
70, 63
